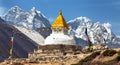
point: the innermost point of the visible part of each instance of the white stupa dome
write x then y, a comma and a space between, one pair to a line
59, 39
59, 33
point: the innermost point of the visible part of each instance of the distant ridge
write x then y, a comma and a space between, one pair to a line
1, 20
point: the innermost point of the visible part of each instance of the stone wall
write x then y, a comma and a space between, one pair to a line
53, 52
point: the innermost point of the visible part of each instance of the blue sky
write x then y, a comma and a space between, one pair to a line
97, 10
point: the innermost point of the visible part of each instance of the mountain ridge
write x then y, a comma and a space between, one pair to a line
96, 31
31, 20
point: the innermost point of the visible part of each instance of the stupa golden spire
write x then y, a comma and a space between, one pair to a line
60, 22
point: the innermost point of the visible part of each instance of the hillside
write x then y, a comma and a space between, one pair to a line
104, 57
22, 44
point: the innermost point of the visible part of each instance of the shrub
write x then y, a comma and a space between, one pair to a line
118, 52
92, 56
17, 64
118, 58
109, 52
110, 63
88, 58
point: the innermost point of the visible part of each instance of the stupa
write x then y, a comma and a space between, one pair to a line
59, 33
58, 45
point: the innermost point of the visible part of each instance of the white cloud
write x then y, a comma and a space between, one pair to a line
2, 10
108, 25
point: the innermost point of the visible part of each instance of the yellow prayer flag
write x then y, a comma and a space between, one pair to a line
11, 51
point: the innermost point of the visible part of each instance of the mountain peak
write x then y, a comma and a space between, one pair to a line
83, 19
16, 9
33, 9
80, 21
108, 25
15, 6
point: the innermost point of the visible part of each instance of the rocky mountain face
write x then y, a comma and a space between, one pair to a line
33, 20
96, 31
22, 44
37, 19
15, 16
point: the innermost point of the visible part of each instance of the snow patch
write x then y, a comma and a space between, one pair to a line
107, 26
33, 35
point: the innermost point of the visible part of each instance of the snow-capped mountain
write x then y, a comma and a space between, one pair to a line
15, 16
37, 20
96, 31
80, 21
31, 20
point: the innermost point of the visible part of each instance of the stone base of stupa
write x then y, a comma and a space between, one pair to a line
50, 52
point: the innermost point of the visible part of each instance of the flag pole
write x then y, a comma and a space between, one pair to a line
89, 42
11, 44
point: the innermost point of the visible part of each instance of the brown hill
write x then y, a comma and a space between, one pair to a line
22, 44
